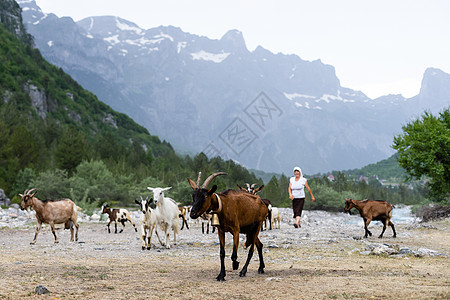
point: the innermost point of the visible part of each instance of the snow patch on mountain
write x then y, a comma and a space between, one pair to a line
124, 26
180, 46
328, 98
214, 57
296, 95
113, 40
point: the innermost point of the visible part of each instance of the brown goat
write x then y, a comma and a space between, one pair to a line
51, 212
183, 210
252, 189
237, 212
372, 210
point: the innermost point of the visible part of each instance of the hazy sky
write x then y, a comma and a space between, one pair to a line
379, 47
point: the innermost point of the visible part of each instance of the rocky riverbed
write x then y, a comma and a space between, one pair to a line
325, 258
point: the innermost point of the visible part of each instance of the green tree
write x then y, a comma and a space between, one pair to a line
24, 180
71, 150
93, 180
424, 150
52, 184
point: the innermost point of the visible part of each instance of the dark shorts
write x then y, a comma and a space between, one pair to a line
297, 206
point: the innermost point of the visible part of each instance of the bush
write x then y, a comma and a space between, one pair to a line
52, 184
329, 199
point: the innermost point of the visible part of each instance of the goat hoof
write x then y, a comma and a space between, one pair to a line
148, 248
261, 271
235, 265
242, 273
394, 236
220, 277
143, 248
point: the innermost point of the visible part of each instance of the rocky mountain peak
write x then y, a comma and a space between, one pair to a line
435, 82
234, 39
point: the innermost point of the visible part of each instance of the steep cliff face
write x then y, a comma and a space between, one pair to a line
11, 18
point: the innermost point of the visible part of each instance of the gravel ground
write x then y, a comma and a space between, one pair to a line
326, 258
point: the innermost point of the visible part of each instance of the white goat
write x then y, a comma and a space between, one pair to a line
167, 213
149, 220
276, 217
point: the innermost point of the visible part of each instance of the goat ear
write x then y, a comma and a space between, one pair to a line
212, 190
21, 196
149, 188
241, 188
192, 184
166, 189
137, 202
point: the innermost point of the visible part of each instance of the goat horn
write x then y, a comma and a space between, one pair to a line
248, 185
198, 179
30, 191
210, 178
253, 185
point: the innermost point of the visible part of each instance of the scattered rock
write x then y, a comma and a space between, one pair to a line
273, 278
40, 290
421, 252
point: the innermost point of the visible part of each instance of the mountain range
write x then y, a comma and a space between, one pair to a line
267, 111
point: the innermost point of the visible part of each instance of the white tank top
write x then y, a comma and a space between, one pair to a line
298, 187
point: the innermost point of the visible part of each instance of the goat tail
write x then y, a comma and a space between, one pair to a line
78, 208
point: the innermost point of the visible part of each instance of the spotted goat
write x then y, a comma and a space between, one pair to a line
120, 215
149, 220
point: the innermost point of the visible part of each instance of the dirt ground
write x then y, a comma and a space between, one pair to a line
113, 266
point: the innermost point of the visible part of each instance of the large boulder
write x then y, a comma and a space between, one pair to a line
3, 199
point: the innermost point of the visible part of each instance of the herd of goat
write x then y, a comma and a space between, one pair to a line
233, 211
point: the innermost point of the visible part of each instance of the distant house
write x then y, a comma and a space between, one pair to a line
363, 178
330, 177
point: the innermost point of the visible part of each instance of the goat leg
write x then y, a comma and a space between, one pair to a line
38, 228
123, 226
76, 232
167, 233
71, 231
144, 237
385, 221
149, 238
366, 226
393, 228
52, 225
157, 235
251, 240
259, 246
221, 276
235, 248
243, 272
